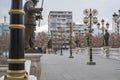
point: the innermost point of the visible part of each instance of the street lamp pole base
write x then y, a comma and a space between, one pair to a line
91, 63
71, 56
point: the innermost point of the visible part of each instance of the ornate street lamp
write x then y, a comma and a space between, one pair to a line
56, 44
61, 31
116, 19
103, 28
70, 41
51, 42
76, 39
89, 20
79, 39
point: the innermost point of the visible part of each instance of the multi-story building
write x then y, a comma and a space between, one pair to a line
58, 19
4, 28
4, 37
58, 28
80, 28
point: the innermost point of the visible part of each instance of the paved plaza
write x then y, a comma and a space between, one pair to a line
56, 67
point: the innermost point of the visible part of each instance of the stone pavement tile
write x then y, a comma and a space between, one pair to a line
56, 67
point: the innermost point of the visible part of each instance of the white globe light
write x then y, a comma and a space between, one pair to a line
118, 20
85, 20
94, 12
86, 12
95, 20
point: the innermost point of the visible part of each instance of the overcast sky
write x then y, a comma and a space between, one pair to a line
105, 8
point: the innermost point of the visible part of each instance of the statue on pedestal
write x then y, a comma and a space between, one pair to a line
31, 15
106, 37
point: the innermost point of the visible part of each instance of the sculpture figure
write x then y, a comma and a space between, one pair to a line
31, 15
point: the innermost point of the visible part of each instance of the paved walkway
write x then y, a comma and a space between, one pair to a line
56, 67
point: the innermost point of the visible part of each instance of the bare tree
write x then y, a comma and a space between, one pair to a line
41, 41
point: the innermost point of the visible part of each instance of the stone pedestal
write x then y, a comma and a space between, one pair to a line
4, 68
87, 50
32, 51
35, 64
78, 50
105, 51
30, 77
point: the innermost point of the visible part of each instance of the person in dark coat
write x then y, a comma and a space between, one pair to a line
50, 44
106, 37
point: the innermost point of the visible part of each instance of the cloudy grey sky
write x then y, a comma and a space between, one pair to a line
105, 8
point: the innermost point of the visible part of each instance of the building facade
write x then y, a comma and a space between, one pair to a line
80, 28
4, 28
58, 19
4, 37
58, 28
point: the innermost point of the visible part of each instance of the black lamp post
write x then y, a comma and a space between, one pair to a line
55, 49
79, 39
70, 41
87, 37
102, 21
89, 20
54, 40
103, 28
71, 56
76, 40
16, 69
61, 42
51, 41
